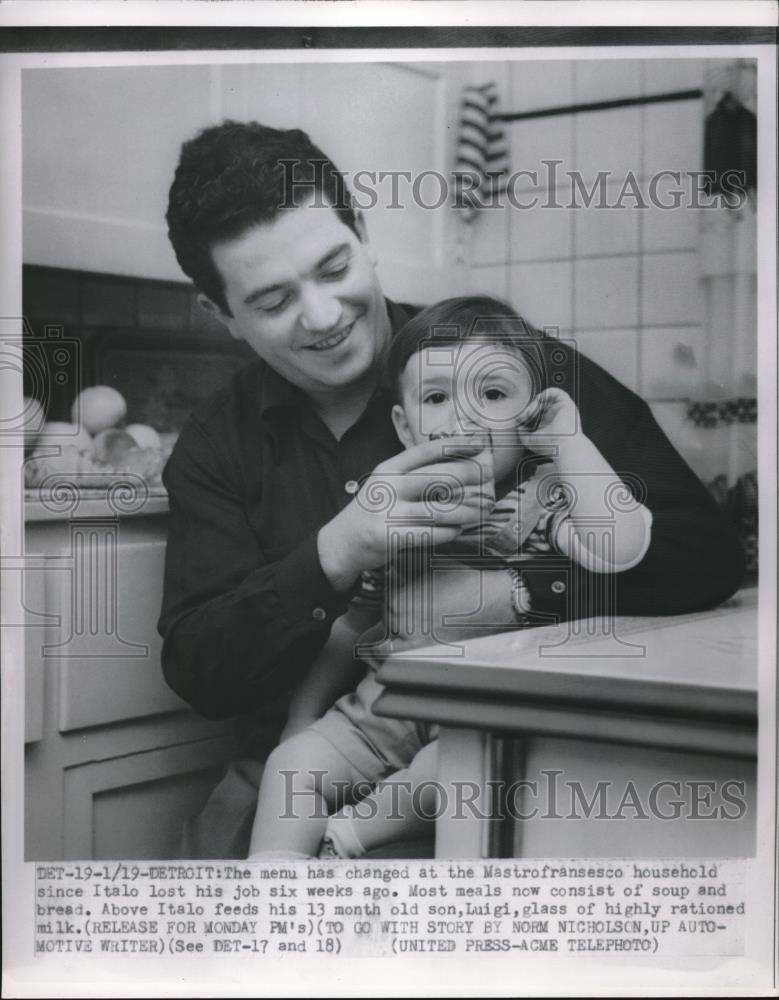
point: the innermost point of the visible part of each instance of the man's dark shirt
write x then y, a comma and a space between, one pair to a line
255, 474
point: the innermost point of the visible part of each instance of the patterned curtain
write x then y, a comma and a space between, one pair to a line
725, 405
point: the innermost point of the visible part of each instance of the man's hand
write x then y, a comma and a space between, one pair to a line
430, 492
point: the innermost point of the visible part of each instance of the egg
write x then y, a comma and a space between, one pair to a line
111, 444
145, 436
98, 407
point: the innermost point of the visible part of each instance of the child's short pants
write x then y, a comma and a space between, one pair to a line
374, 745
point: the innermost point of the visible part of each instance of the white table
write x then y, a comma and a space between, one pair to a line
629, 704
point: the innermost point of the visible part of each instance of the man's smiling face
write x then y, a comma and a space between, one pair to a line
304, 295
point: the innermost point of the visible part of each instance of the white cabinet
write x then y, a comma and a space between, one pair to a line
115, 761
99, 149
100, 146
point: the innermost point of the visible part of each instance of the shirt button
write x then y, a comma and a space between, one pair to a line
351, 486
558, 587
319, 614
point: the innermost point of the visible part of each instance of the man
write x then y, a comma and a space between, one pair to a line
270, 527
267, 537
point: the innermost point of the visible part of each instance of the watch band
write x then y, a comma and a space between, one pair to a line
520, 596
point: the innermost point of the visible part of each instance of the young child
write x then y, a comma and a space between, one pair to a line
467, 372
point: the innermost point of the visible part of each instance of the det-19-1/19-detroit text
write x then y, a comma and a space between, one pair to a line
366, 909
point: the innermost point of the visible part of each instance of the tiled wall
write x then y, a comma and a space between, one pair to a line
149, 339
625, 281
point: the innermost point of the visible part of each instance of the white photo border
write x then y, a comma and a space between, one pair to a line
158, 977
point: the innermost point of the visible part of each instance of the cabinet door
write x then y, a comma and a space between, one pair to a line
99, 148
385, 125
134, 807
581, 798
594, 799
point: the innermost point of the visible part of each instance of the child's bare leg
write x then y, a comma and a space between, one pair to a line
305, 778
400, 807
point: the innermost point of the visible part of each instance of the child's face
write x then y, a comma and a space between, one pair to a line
462, 389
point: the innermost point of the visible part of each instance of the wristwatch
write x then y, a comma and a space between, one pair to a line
520, 596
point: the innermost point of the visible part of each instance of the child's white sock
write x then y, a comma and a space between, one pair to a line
340, 839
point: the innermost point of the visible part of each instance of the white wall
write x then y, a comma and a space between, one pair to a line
625, 282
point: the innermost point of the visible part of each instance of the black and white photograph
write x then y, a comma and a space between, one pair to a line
388, 500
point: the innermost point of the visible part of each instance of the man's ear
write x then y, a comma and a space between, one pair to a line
209, 306
401, 426
362, 231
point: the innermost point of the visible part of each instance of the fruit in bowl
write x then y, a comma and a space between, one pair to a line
98, 407
95, 462
110, 446
144, 436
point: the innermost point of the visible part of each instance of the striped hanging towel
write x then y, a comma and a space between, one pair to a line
482, 151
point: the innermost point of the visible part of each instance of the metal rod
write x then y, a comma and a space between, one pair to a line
622, 102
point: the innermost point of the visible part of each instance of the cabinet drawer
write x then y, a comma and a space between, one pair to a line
106, 646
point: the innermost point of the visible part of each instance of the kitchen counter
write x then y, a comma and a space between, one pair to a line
123, 499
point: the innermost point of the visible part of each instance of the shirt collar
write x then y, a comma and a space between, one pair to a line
275, 392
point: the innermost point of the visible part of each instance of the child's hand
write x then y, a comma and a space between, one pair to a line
551, 417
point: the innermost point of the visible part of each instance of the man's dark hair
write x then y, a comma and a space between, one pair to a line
451, 321
241, 174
